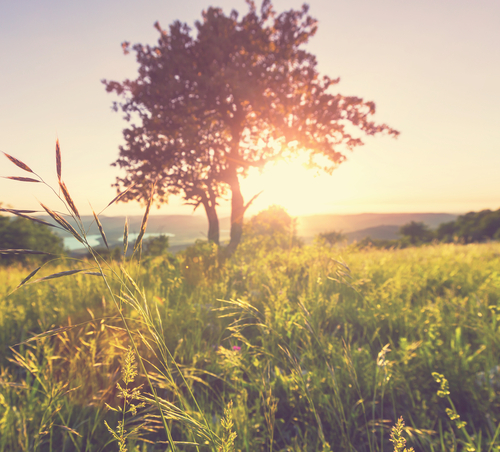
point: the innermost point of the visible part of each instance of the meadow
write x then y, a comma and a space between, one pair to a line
298, 348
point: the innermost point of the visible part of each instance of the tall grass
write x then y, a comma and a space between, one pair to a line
298, 349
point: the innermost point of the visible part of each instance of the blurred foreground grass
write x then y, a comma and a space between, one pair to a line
314, 346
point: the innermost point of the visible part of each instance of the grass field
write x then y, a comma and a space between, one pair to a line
304, 349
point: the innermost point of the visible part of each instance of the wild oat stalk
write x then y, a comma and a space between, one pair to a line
129, 396
228, 436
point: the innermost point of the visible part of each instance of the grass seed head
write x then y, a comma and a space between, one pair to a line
18, 163
68, 198
58, 160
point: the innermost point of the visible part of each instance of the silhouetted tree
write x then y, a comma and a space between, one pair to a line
242, 93
271, 228
416, 232
472, 227
156, 246
446, 232
332, 237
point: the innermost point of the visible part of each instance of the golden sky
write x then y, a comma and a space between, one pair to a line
432, 67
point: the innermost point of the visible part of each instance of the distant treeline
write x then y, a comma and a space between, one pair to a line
270, 228
472, 227
20, 233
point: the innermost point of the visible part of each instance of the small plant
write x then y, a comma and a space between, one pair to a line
228, 435
129, 396
444, 393
397, 437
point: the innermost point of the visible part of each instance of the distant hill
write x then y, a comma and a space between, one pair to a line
183, 230
311, 225
186, 229
383, 232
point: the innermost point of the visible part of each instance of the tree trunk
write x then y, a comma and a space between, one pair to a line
213, 223
209, 202
237, 213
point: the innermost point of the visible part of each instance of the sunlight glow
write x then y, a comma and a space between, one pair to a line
300, 190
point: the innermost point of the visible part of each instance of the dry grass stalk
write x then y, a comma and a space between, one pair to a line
18, 163
63, 223
58, 160
22, 179
22, 251
101, 230
61, 274
119, 195
25, 280
20, 213
68, 199
145, 219
125, 237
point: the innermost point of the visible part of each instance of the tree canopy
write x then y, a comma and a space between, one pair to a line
21, 233
472, 227
243, 92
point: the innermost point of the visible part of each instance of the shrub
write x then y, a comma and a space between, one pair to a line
20, 233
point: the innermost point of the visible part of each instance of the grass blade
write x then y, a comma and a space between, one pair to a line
119, 195
22, 179
145, 219
125, 237
20, 213
94, 274
18, 163
63, 223
58, 160
25, 280
59, 275
101, 230
68, 199
22, 251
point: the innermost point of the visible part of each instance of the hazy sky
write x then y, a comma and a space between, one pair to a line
431, 66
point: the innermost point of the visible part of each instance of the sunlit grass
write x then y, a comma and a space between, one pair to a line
315, 347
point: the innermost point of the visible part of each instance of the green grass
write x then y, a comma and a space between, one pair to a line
314, 348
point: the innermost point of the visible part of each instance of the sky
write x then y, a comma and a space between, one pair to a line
432, 68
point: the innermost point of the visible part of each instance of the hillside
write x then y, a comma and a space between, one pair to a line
309, 226
186, 229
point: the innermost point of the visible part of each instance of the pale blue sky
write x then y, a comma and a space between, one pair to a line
432, 67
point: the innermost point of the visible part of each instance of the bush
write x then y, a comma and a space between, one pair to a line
20, 233
271, 228
416, 232
332, 237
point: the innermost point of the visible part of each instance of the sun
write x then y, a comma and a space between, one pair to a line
300, 190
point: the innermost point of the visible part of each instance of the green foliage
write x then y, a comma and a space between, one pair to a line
314, 345
416, 232
472, 227
332, 237
240, 93
20, 233
269, 229
156, 246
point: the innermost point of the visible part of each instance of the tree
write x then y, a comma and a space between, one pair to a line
416, 232
332, 237
271, 228
20, 233
242, 93
156, 246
